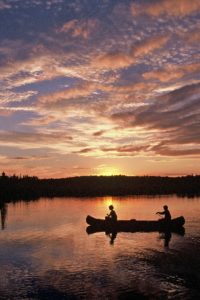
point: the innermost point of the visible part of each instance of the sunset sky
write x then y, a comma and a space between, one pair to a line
99, 87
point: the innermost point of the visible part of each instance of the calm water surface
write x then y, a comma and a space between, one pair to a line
45, 252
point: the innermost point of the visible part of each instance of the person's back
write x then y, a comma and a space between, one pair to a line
167, 215
112, 215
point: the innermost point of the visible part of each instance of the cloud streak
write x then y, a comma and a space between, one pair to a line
166, 7
173, 72
27, 140
175, 117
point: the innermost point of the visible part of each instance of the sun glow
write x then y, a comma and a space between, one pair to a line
109, 171
108, 201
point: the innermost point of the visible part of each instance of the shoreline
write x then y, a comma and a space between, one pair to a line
30, 188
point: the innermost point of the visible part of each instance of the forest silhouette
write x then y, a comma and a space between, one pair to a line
13, 188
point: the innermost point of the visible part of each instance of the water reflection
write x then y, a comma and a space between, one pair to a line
4, 211
112, 235
45, 252
165, 235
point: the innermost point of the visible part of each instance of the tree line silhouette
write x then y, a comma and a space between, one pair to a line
29, 188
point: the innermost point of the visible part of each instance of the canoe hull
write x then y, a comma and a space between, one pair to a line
135, 225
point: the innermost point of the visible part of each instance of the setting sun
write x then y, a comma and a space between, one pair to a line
109, 171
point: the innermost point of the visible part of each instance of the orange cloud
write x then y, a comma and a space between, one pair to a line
9, 96
174, 150
27, 139
149, 45
126, 150
71, 93
98, 133
194, 37
172, 72
135, 88
164, 75
85, 150
190, 37
174, 8
5, 112
41, 121
117, 60
79, 28
113, 61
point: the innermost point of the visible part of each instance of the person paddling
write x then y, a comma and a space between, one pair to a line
112, 216
166, 213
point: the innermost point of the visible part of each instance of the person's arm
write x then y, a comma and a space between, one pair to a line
160, 213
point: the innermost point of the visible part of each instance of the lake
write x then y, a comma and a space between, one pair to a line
45, 252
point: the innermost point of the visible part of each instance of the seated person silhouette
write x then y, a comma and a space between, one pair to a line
166, 213
112, 216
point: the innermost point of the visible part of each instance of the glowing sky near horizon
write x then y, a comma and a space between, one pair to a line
99, 87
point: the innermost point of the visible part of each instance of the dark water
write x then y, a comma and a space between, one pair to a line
45, 252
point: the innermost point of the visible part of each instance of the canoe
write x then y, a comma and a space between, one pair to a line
98, 225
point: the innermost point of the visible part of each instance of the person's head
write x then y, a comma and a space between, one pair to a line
111, 207
165, 207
